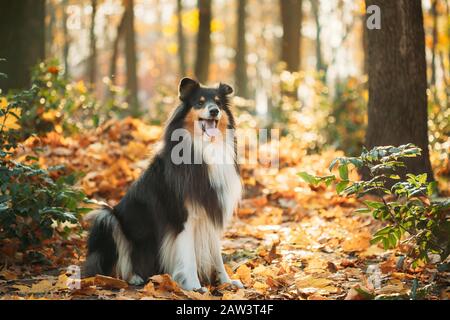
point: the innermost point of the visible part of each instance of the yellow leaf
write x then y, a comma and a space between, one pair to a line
260, 287
238, 295
244, 274
309, 284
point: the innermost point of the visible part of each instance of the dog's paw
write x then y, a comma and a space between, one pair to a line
136, 280
201, 290
237, 283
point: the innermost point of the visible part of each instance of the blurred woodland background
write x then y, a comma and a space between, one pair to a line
87, 84
317, 52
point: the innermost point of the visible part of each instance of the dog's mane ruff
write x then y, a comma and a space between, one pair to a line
189, 182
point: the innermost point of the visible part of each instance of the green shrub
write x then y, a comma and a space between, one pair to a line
33, 205
56, 103
407, 210
346, 125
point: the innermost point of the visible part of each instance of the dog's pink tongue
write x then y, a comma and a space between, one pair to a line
210, 129
212, 132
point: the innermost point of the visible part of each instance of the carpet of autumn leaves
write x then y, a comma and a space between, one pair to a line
287, 240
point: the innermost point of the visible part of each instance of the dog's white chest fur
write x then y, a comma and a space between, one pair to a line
224, 177
195, 253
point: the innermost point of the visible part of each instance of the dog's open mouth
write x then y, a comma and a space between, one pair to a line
209, 127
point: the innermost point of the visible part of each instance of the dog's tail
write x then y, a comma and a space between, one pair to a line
102, 251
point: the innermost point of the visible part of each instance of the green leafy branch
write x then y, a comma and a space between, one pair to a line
404, 204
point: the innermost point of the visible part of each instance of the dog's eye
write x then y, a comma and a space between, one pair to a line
200, 103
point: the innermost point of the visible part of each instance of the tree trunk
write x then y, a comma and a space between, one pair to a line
364, 45
203, 41
241, 52
315, 7
66, 39
50, 26
22, 33
115, 49
398, 81
181, 40
92, 63
291, 18
434, 15
131, 59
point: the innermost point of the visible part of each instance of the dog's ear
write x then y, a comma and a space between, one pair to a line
187, 87
225, 89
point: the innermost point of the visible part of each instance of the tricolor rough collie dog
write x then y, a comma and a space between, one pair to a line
172, 217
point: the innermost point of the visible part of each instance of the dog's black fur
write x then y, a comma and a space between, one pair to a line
155, 203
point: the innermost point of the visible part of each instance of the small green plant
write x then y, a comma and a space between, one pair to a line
56, 103
406, 208
33, 203
346, 125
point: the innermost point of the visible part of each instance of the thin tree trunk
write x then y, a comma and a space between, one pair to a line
203, 41
364, 45
131, 58
22, 34
66, 46
241, 52
291, 18
50, 11
398, 81
447, 4
315, 6
92, 64
434, 15
181, 39
115, 49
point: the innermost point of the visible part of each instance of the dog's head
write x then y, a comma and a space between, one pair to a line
209, 108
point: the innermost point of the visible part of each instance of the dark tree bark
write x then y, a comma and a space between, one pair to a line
131, 58
92, 63
22, 34
291, 18
398, 81
181, 40
203, 41
241, 52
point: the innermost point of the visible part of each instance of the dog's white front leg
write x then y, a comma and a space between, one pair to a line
184, 272
221, 273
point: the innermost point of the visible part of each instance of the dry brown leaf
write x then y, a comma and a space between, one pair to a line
238, 295
243, 212
316, 296
372, 251
8, 275
358, 242
359, 292
393, 286
150, 288
165, 283
310, 284
42, 286
244, 274
389, 265
260, 287
109, 282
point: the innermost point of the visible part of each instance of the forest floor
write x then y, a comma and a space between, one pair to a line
287, 240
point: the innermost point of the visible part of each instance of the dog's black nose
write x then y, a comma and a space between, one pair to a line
214, 112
